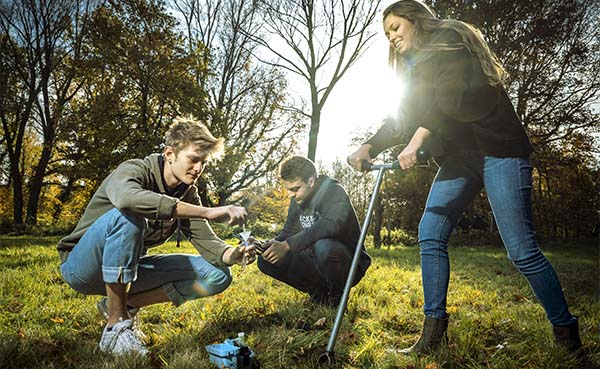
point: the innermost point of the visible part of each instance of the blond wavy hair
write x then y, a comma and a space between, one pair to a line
187, 130
425, 23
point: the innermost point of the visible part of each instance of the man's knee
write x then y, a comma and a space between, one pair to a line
219, 281
328, 247
328, 250
129, 224
267, 268
213, 284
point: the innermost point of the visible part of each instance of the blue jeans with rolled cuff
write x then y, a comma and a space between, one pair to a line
508, 184
112, 251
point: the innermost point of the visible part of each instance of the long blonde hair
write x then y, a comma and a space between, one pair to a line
425, 23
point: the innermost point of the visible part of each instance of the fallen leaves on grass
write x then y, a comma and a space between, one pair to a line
348, 338
518, 297
14, 306
452, 309
320, 323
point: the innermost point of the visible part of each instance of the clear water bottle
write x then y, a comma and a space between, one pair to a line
240, 339
244, 356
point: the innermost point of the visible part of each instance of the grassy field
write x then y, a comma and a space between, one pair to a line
495, 321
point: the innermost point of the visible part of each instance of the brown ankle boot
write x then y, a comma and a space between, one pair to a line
434, 334
568, 336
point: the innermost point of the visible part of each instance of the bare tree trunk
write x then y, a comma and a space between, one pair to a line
37, 182
18, 204
11, 109
65, 194
546, 204
315, 122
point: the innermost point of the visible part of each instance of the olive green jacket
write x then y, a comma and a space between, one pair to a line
136, 187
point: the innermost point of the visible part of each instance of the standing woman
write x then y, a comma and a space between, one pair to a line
455, 93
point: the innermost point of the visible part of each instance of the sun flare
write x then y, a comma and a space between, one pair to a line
368, 94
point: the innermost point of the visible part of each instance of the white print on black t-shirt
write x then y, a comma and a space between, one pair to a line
307, 221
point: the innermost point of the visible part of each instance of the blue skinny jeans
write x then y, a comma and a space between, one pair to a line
508, 184
112, 251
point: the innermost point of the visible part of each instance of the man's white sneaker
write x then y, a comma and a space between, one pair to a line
121, 340
102, 306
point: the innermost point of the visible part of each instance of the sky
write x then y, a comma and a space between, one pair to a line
359, 102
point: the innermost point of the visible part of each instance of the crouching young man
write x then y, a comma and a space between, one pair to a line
314, 251
138, 206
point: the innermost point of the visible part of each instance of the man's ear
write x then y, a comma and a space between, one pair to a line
311, 181
169, 154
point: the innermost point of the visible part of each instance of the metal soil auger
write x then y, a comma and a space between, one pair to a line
327, 358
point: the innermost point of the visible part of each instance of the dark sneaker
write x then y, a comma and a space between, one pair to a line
325, 299
318, 297
334, 299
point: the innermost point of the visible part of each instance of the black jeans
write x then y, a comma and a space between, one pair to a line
321, 270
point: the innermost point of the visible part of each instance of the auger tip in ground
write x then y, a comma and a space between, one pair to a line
327, 359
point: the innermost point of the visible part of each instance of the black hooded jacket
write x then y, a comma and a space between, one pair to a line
328, 213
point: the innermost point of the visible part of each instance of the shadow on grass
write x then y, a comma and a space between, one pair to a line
27, 241
299, 330
297, 316
578, 273
27, 262
17, 352
24, 261
21, 352
25, 251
